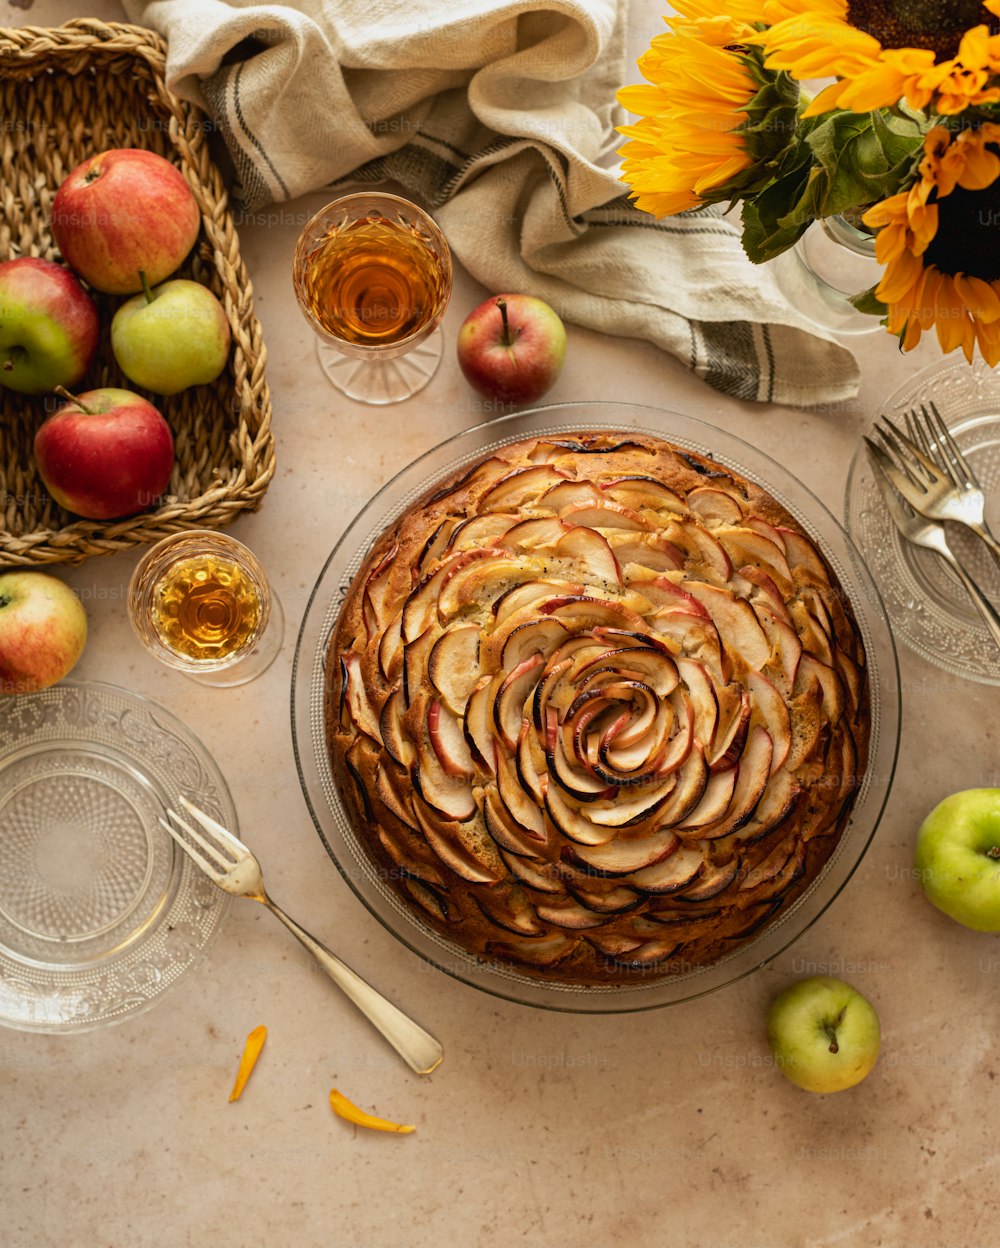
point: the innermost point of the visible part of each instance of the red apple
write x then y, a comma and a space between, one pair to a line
512, 347
121, 211
107, 454
48, 326
43, 628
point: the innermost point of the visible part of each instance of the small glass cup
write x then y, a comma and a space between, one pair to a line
372, 274
201, 603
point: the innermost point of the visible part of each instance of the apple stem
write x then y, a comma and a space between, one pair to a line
65, 394
507, 338
993, 851
147, 290
831, 1031
13, 355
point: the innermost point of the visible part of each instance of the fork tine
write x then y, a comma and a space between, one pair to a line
213, 851
211, 825
899, 510
210, 868
909, 454
895, 467
946, 440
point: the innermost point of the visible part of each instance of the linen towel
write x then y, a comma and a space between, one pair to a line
499, 116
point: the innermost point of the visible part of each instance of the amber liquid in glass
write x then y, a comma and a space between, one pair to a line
206, 607
374, 282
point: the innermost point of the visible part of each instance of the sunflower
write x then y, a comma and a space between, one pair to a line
937, 242
694, 143
944, 53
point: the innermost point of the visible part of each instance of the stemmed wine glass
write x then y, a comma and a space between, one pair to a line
372, 274
201, 603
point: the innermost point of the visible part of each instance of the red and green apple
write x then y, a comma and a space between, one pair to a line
48, 326
122, 211
43, 629
105, 454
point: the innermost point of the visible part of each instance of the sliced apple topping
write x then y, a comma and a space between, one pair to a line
745, 546
588, 553
771, 709
640, 492
645, 552
450, 795
448, 740
358, 706
394, 736
738, 626
703, 554
390, 650
504, 828
751, 781
573, 823
518, 488
453, 665
622, 856
604, 515
514, 695
543, 953
521, 806
715, 506
571, 494
539, 534
525, 597
672, 874
479, 532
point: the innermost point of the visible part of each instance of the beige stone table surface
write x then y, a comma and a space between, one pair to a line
667, 1129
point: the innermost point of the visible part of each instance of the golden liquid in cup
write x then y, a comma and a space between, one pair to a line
205, 607
374, 282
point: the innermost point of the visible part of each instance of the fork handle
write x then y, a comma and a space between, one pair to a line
986, 608
420, 1051
983, 532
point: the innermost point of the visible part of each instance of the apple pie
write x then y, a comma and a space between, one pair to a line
597, 707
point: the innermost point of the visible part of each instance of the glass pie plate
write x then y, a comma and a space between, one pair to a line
335, 827
99, 914
930, 611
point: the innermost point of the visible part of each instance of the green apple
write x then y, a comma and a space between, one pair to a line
171, 336
824, 1034
958, 858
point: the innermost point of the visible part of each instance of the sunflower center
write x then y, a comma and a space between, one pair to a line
966, 238
935, 24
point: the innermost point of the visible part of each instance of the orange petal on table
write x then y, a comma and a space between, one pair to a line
346, 1109
251, 1051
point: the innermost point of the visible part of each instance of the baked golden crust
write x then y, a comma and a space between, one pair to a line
598, 707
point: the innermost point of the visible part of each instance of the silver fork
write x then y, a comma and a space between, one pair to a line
234, 868
933, 475
929, 534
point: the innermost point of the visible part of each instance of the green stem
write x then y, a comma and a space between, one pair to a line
65, 394
147, 290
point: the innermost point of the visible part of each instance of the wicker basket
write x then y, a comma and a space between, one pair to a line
67, 93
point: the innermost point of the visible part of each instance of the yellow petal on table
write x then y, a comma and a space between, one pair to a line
346, 1109
251, 1051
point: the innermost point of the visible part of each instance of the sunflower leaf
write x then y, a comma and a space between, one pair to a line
869, 303
769, 228
862, 158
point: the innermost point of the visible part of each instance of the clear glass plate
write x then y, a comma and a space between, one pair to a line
929, 610
334, 825
99, 913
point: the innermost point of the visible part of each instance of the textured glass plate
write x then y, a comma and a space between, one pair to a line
929, 609
330, 817
99, 915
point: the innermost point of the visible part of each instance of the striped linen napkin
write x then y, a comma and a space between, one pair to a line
499, 116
